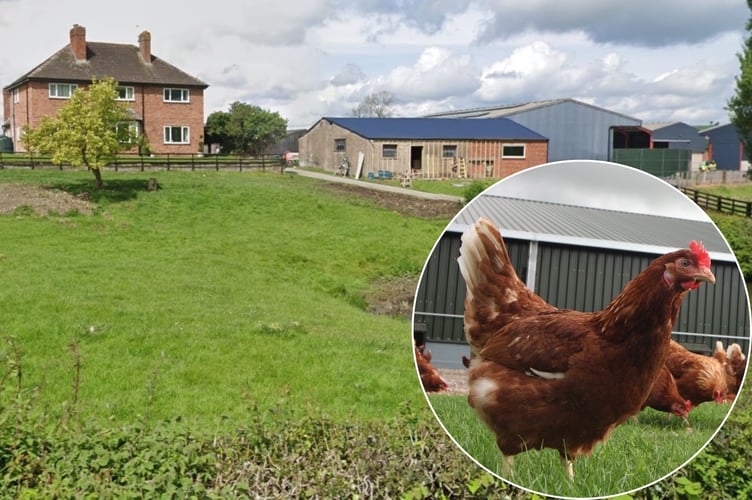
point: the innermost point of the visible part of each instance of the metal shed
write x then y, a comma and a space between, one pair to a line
724, 146
580, 258
575, 129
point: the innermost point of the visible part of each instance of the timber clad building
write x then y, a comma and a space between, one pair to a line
166, 104
429, 148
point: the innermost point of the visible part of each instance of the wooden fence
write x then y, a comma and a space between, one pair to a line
162, 162
719, 203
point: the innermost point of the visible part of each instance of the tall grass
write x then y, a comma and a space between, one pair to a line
215, 289
637, 452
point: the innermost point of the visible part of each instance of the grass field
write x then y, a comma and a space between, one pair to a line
637, 453
216, 291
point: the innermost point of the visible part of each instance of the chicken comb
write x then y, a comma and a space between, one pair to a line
699, 251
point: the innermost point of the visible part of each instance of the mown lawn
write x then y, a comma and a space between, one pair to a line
216, 290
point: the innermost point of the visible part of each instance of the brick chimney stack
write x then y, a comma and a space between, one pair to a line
144, 45
78, 42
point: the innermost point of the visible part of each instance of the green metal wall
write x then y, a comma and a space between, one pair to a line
659, 162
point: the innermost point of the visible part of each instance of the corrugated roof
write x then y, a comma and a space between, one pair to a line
119, 61
512, 109
591, 227
437, 128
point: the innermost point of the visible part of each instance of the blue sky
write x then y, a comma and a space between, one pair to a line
659, 60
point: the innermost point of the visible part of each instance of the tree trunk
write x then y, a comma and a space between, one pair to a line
98, 178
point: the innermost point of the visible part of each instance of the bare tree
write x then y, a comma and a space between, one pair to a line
375, 105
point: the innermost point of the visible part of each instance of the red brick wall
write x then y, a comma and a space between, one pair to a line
149, 105
536, 153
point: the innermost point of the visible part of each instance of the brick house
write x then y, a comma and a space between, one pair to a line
167, 104
428, 148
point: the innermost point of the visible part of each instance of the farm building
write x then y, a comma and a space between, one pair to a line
575, 130
679, 135
422, 147
725, 148
579, 258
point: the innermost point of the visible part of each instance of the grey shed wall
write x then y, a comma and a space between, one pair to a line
719, 311
574, 130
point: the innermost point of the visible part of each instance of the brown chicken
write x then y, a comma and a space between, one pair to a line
734, 362
699, 378
544, 377
429, 375
664, 396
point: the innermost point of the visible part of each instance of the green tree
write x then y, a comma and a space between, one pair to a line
89, 130
740, 105
375, 105
246, 129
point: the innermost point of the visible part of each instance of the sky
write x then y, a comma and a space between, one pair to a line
657, 60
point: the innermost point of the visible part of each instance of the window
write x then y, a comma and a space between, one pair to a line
449, 151
126, 94
513, 151
176, 95
389, 151
16, 97
126, 129
62, 90
340, 145
177, 135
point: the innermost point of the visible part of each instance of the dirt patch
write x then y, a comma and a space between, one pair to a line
41, 201
393, 297
410, 206
457, 380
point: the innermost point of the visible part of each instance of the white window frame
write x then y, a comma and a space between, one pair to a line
185, 134
389, 151
16, 96
55, 88
128, 91
174, 94
514, 156
132, 126
449, 151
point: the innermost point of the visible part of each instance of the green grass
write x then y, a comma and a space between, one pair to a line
636, 454
213, 291
736, 191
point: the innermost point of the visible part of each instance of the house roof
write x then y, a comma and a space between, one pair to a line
119, 61
437, 128
512, 109
591, 227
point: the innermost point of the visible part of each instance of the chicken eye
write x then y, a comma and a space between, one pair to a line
684, 263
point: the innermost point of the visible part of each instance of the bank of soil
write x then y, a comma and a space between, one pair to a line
18, 198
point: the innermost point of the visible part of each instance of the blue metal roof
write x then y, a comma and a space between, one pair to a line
437, 128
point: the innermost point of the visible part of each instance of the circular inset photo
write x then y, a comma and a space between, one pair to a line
581, 329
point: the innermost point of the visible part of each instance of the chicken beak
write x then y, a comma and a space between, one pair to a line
706, 275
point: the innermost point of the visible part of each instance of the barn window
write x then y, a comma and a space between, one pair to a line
389, 151
513, 151
340, 145
449, 151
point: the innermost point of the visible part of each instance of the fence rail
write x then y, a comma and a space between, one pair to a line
162, 162
719, 203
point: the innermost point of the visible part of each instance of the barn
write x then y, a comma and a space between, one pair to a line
580, 258
724, 147
679, 135
576, 130
424, 148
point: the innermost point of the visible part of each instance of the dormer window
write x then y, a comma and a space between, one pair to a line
176, 95
62, 90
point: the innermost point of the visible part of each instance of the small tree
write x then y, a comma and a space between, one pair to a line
740, 105
246, 129
89, 130
376, 105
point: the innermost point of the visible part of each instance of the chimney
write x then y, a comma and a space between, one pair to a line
78, 42
144, 45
